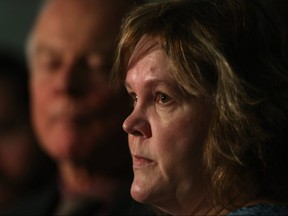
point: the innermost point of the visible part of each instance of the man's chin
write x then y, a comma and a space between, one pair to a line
62, 149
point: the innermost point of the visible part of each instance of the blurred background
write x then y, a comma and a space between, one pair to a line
16, 18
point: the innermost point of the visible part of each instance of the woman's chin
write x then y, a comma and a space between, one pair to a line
139, 193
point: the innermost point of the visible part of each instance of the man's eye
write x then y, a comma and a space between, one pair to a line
48, 64
162, 98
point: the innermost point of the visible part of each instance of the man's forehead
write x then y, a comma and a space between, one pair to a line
75, 18
115, 7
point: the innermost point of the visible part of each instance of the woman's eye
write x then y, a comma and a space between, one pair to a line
162, 98
134, 99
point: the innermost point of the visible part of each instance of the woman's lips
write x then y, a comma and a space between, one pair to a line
141, 162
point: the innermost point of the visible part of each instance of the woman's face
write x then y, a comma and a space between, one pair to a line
166, 134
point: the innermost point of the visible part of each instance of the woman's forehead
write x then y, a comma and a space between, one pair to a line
145, 45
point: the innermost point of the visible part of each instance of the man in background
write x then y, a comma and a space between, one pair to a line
77, 117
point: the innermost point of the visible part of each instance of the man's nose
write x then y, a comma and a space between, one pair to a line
73, 79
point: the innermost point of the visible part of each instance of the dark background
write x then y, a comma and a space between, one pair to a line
16, 19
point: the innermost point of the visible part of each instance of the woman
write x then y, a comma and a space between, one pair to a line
209, 84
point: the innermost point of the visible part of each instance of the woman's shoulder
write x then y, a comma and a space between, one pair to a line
261, 209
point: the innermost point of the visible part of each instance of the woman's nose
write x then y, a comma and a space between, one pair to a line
137, 124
